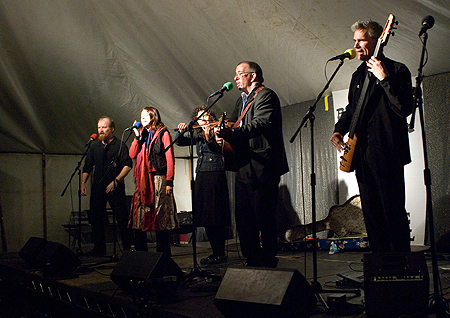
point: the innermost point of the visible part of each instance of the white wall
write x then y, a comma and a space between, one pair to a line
415, 189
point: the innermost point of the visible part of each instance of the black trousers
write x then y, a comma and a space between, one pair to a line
383, 205
256, 223
217, 237
98, 217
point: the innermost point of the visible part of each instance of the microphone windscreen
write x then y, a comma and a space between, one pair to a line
228, 86
94, 136
138, 125
352, 53
428, 21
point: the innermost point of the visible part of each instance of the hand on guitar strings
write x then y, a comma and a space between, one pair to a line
376, 67
338, 141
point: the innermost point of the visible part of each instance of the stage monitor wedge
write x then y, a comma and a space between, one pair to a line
53, 258
33, 252
147, 272
264, 292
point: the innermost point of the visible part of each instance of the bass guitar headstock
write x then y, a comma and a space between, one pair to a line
390, 25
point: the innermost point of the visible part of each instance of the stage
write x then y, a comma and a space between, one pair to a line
90, 292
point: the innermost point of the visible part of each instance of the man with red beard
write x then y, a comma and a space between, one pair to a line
111, 168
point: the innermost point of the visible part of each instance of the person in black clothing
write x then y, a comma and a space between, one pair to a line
382, 147
260, 161
211, 200
112, 164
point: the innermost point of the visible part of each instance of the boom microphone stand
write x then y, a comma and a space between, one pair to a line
437, 299
196, 270
310, 117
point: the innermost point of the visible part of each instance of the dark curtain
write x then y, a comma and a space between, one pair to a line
436, 95
295, 187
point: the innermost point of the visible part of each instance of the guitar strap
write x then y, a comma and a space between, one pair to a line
236, 124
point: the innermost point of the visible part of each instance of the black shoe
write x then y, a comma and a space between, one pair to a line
253, 262
96, 252
272, 263
212, 259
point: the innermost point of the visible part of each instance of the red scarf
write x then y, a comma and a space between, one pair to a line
147, 187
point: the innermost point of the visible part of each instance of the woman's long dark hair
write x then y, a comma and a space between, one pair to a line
155, 117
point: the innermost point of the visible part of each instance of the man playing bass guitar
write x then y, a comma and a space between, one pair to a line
382, 149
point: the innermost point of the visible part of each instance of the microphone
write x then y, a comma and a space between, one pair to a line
137, 125
93, 137
427, 23
228, 86
348, 54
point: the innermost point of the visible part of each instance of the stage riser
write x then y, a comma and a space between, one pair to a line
23, 296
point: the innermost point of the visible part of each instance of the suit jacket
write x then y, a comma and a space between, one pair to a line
259, 141
382, 131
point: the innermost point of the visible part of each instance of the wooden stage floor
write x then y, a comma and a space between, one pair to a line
90, 292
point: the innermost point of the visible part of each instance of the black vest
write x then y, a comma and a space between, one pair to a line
158, 155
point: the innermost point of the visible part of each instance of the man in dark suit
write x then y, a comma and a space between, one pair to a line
261, 160
382, 147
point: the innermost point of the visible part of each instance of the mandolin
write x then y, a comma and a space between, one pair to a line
350, 145
228, 153
343, 220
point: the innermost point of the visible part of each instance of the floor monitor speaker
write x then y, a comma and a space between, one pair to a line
62, 260
264, 292
33, 252
147, 272
54, 258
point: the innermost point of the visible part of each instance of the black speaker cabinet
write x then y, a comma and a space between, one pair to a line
54, 258
264, 292
147, 272
62, 260
33, 252
395, 284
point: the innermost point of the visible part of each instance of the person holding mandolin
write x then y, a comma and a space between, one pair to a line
211, 200
257, 140
380, 99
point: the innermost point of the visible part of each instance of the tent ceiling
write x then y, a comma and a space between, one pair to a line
65, 63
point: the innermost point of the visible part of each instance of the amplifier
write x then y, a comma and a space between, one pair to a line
395, 284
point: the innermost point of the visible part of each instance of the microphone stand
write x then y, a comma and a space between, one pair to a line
196, 270
311, 118
439, 303
77, 169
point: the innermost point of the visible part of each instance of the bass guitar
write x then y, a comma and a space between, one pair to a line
350, 145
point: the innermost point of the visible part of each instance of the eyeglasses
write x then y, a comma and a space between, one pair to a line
241, 74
